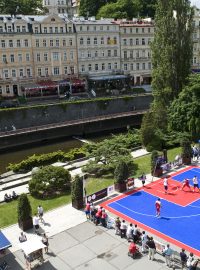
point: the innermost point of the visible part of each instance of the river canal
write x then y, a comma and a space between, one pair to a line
66, 145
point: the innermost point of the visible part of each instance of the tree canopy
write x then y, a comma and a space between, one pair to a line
184, 112
26, 7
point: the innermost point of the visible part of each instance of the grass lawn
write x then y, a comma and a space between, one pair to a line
8, 211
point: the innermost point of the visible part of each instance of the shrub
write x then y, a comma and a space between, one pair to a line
186, 150
77, 188
24, 210
121, 172
49, 180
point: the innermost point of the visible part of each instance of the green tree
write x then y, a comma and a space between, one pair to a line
49, 180
121, 172
148, 8
90, 7
25, 7
77, 192
171, 49
121, 9
24, 210
184, 112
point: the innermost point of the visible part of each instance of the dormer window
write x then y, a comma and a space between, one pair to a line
36, 30
9, 28
53, 20
18, 29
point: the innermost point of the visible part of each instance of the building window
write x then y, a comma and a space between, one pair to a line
108, 28
109, 66
131, 66
55, 56
95, 41
72, 70
82, 68
23, 28
12, 58
96, 67
88, 41
71, 55
61, 30
143, 66
108, 40
103, 66
36, 30
102, 53
51, 42
9, 28
44, 43
137, 54
3, 44
143, 41
0, 90
64, 42
39, 72
82, 54
125, 67
101, 27
109, 53
149, 30
10, 43
7, 89
131, 42
5, 73
1, 29
28, 72
137, 41
137, 66
96, 54
13, 72
45, 57
65, 70
115, 66
57, 43
88, 28
81, 41
46, 70
102, 40
70, 29
89, 67
149, 41
124, 42
21, 72
125, 55
81, 28
45, 30
136, 30
131, 54
56, 29
94, 28
65, 56
27, 57
38, 57
26, 42
4, 59
18, 43
37, 43
56, 71
70, 42
149, 65
115, 53
124, 30
89, 54
50, 30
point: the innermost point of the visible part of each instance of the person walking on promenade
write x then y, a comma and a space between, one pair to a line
143, 179
183, 257
168, 252
45, 241
36, 223
40, 213
158, 207
152, 248
22, 237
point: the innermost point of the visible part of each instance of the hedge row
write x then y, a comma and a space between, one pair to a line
46, 159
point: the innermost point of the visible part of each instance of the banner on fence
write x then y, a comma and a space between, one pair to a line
97, 195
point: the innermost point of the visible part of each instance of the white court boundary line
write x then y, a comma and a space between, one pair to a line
147, 215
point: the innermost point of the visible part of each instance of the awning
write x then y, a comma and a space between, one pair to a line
30, 246
63, 82
77, 82
195, 70
30, 86
4, 242
47, 84
108, 77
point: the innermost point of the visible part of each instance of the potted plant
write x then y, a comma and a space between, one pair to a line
156, 169
121, 174
77, 192
186, 151
24, 213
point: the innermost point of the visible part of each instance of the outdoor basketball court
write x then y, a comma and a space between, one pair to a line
180, 213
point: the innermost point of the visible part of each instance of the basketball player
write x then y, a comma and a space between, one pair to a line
165, 183
195, 183
158, 206
186, 184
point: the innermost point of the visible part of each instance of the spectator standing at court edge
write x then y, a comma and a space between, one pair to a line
144, 239
104, 218
45, 241
183, 257
129, 232
143, 179
87, 210
123, 229
40, 213
190, 259
152, 248
167, 252
117, 225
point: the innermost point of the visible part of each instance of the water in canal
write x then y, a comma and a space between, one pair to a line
66, 145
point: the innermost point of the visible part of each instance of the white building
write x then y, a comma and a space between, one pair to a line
60, 7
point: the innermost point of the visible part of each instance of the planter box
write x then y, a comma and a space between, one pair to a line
120, 187
157, 172
78, 204
186, 160
26, 225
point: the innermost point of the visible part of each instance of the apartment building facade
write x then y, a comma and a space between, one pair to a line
35, 48
68, 7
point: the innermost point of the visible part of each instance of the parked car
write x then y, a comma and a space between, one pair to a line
9, 104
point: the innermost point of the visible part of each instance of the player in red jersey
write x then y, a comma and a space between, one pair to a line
186, 183
158, 206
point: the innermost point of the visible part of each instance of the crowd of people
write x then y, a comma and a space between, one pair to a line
96, 215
